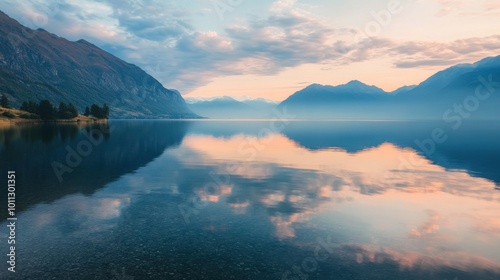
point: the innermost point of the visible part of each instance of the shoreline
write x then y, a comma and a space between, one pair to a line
80, 119
13, 122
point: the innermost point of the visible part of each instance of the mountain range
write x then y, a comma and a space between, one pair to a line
36, 65
228, 107
461, 91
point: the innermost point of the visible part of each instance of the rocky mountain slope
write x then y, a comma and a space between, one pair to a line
35, 65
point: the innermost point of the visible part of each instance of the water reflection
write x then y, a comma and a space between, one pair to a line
272, 202
473, 147
425, 213
87, 157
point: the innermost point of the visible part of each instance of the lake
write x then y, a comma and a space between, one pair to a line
253, 200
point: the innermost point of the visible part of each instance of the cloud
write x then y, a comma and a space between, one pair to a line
281, 5
284, 41
421, 54
151, 20
160, 36
425, 258
448, 6
428, 228
266, 46
420, 63
492, 6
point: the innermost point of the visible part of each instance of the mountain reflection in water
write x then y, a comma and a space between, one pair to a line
216, 200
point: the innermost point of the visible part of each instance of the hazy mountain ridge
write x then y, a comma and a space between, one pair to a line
228, 107
448, 77
36, 64
431, 99
352, 100
403, 89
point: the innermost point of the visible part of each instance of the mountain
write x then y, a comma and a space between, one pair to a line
261, 103
355, 88
352, 100
441, 79
460, 77
467, 90
226, 107
35, 65
403, 89
441, 96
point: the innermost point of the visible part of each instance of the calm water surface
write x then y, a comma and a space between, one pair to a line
235, 200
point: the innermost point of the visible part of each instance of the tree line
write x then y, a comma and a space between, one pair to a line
47, 111
96, 111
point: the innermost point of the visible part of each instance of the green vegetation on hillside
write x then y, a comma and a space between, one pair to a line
45, 110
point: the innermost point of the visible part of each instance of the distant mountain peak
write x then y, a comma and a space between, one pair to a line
356, 83
260, 99
223, 107
210, 99
313, 86
226, 98
360, 87
247, 100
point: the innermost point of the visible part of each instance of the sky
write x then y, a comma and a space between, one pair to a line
273, 48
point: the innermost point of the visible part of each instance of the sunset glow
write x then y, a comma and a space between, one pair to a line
271, 49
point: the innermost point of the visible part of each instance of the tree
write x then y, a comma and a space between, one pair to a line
95, 111
87, 111
24, 106
46, 110
4, 102
73, 112
98, 112
30, 107
105, 111
61, 112
68, 111
33, 107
